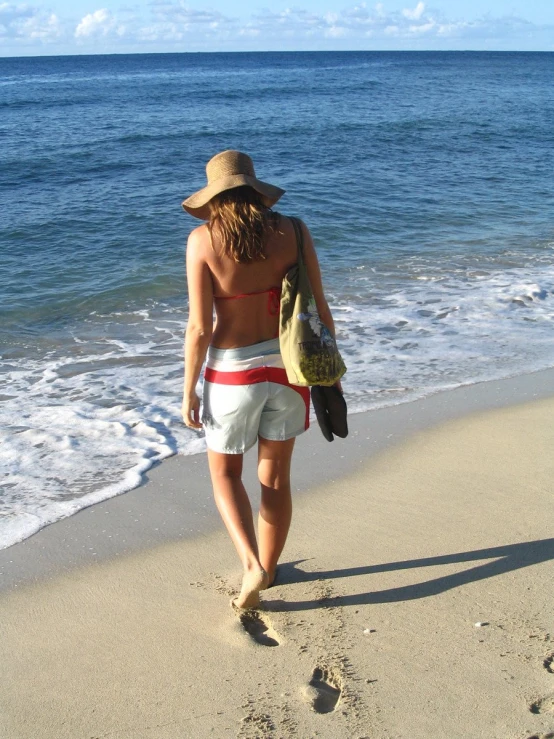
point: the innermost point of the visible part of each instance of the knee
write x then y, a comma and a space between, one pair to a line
274, 479
226, 475
268, 483
226, 469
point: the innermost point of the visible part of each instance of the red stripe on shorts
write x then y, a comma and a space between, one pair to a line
259, 374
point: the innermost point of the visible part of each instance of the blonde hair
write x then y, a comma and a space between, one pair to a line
243, 222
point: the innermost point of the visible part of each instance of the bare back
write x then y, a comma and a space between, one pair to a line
243, 318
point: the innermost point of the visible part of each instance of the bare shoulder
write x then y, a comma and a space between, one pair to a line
305, 229
286, 226
198, 241
307, 240
282, 224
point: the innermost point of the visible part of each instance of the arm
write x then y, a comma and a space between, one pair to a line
314, 275
199, 326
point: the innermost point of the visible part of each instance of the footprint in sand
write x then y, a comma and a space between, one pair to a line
259, 628
548, 663
550, 735
324, 690
543, 705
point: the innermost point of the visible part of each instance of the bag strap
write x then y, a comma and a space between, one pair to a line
299, 238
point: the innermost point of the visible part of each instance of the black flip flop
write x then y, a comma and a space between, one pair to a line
331, 411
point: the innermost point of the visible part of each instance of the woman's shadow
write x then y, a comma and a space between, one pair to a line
504, 559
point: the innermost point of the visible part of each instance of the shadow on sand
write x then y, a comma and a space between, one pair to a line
504, 559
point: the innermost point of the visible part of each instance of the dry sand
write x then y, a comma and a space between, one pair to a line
372, 630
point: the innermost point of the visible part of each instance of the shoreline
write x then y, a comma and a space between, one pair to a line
414, 600
174, 501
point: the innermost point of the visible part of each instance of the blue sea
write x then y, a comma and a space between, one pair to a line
425, 178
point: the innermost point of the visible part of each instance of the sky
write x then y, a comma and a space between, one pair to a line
135, 26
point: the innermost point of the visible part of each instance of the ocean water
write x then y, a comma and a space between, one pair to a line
425, 178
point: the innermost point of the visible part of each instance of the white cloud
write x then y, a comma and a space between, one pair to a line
174, 25
423, 27
25, 24
414, 14
296, 25
99, 23
358, 13
352, 26
46, 29
335, 32
247, 31
175, 22
179, 13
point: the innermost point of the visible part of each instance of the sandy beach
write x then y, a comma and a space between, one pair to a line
414, 600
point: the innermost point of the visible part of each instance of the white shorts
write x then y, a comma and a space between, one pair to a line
247, 394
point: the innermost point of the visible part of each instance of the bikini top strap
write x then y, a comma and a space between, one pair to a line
269, 290
299, 237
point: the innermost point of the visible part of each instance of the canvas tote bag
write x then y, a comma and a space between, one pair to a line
309, 351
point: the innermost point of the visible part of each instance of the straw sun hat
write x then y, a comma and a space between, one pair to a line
227, 170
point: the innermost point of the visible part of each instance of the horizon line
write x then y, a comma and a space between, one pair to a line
285, 51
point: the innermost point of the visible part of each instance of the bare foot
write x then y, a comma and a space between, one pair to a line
271, 579
252, 583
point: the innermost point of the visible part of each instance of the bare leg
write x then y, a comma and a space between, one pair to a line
274, 459
235, 509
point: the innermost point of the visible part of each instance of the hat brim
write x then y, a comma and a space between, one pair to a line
331, 411
198, 203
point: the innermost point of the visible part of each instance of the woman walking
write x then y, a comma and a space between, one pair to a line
235, 265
